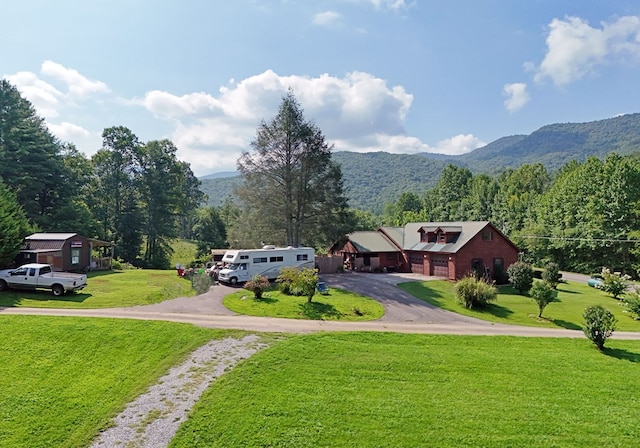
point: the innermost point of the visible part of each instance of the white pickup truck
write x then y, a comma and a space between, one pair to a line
41, 276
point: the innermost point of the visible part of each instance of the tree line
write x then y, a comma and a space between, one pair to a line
583, 216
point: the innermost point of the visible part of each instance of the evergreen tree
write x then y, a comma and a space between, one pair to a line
290, 184
14, 226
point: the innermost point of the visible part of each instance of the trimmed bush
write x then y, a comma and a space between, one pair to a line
551, 274
258, 285
521, 276
614, 283
599, 324
474, 293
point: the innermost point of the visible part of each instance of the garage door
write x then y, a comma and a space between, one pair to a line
440, 266
417, 264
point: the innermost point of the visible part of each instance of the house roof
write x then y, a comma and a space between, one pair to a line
50, 236
467, 230
372, 241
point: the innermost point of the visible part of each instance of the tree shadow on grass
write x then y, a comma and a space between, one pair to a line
565, 324
495, 310
265, 299
319, 311
619, 353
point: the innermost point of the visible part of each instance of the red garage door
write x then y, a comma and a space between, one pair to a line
440, 266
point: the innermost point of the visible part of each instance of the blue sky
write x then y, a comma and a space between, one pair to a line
401, 76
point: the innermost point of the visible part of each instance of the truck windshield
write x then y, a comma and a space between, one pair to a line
233, 266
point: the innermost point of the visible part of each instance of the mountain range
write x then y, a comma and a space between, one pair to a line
375, 178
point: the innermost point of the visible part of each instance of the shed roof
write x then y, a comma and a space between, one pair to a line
51, 236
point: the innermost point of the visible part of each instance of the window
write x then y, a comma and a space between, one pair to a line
302, 257
442, 238
244, 257
260, 260
487, 235
32, 272
75, 256
276, 259
45, 270
228, 256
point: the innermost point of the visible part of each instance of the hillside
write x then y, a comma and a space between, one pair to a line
373, 179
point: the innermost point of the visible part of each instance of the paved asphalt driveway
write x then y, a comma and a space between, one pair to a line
403, 313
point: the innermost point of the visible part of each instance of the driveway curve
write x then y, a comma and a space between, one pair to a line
403, 313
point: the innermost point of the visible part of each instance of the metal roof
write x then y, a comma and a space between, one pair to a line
467, 229
51, 236
371, 241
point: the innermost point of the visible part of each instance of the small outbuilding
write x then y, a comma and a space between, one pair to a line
65, 252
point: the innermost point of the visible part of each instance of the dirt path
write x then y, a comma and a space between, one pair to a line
403, 313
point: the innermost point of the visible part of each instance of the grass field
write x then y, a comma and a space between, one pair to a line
108, 289
392, 390
64, 378
512, 308
339, 304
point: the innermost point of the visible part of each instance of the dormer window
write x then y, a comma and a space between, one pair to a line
442, 237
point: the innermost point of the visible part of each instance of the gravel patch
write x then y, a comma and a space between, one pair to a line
153, 418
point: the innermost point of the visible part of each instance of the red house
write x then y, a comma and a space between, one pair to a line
444, 249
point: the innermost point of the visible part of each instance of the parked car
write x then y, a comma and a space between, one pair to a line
41, 276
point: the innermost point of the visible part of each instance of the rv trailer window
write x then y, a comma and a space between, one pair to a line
260, 260
244, 257
302, 257
275, 259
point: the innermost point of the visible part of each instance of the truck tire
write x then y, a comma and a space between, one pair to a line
3, 285
233, 281
57, 290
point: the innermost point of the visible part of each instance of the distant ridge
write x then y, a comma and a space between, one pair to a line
219, 175
373, 179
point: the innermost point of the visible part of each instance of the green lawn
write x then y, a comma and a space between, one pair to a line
394, 390
339, 304
512, 308
65, 378
108, 289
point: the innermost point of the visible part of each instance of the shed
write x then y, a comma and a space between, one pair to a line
65, 252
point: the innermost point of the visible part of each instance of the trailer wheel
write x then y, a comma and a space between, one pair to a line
57, 290
3, 285
233, 280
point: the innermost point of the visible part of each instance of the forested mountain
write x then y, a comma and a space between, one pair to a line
373, 179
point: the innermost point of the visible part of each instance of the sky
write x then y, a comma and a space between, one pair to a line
401, 76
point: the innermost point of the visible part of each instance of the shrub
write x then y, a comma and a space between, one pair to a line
286, 279
599, 324
632, 304
258, 285
298, 283
543, 294
521, 276
614, 283
551, 274
201, 282
474, 293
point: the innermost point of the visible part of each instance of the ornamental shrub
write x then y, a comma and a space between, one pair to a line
543, 294
599, 324
521, 276
551, 274
632, 304
614, 283
258, 285
474, 293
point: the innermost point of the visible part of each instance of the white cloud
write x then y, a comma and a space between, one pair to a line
575, 49
79, 86
44, 97
69, 132
326, 18
517, 96
389, 4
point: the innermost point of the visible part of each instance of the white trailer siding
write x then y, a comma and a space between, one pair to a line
243, 265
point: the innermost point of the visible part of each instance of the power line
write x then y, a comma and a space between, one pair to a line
568, 238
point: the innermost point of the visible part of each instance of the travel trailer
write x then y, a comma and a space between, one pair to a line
243, 265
